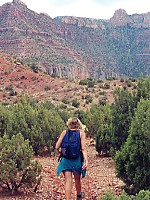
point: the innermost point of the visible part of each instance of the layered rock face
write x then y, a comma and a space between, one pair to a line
71, 47
121, 18
82, 22
121, 45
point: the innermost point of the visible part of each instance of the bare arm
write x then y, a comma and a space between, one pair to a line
83, 148
58, 143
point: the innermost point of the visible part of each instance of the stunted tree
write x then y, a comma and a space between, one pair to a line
22, 118
49, 125
122, 113
4, 120
143, 88
92, 120
17, 170
133, 161
38, 122
103, 135
142, 195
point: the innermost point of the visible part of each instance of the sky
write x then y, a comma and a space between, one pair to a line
98, 9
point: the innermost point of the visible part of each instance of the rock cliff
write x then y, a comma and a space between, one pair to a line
121, 18
72, 47
81, 22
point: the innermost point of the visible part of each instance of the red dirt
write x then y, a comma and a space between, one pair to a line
100, 178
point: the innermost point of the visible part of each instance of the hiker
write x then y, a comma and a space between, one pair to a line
73, 165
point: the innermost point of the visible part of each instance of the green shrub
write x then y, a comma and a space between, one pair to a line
111, 78
129, 84
4, 120
91, 84
142, 195
62, 106
106, 86
17, 169
47, 88
83, 82
9, 88
108, 196
12, 93
88, 98
5, 104
34, 68
91, 120
65, 100
99, 81
143, 88
133, 160
122, 113
121, 80
75, 103
102, 101
103, 135
36, 121
65, 115
102, 92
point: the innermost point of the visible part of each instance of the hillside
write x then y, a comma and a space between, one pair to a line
17, 78
77, 48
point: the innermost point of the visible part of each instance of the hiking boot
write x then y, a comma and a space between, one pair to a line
81, 196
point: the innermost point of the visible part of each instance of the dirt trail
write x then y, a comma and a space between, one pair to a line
100, 178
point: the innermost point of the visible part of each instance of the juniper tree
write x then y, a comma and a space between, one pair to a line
4, 120
38, 122
122, 113
143, 88
103, 135
92, 120
133, 161
16, 165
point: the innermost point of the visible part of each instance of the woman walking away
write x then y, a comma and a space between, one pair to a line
73, 160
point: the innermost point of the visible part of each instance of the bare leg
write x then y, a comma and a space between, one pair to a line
68, 184
78, 183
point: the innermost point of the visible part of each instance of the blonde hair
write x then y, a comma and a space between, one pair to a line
75, 123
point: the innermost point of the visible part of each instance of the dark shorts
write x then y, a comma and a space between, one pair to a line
75, 172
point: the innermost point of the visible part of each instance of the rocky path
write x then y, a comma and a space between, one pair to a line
100, 178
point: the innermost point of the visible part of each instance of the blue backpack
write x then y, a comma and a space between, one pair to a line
71, 144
